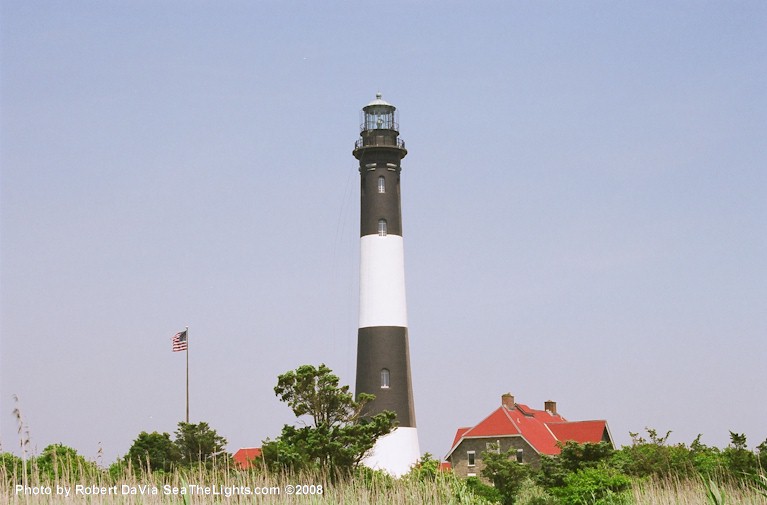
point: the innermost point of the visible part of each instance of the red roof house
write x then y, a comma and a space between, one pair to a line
245, 456
528, 432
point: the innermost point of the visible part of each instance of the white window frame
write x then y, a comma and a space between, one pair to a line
382, 227
385, 378
471, 457
381, 184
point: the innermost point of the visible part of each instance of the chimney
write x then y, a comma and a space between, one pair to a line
507, 400
551, 406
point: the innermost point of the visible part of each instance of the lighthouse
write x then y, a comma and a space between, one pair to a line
383, 356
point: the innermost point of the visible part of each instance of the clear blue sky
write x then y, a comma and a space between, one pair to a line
584, 206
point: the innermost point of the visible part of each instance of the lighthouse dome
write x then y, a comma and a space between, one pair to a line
379, 101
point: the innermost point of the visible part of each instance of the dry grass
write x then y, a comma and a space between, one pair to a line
671, 491
203, 487
228, 486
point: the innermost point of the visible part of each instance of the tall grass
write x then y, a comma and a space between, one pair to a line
228, 485
675, 491
367, 489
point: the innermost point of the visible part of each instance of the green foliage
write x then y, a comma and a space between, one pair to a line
706, 460
505, 473
11, 467
339, 437
598, 486
573, 457
316, 392
198, 444
479, 488
153, 452
376, 480
531, 493
654, 458
426, 469
760, 484
194, 445
714, 495
118, 470
761, 449
58, 461
738, 459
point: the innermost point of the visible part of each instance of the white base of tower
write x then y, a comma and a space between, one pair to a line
395, 453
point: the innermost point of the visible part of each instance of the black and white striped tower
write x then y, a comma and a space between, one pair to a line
383, 356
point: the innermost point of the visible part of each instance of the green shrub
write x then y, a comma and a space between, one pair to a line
531, 493
505, 473
654, 458
58, 461
153, 452
11, 467
595, 486
373, 479
484, 491
573, 457
426, 469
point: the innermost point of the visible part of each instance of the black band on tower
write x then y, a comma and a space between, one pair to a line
384, 350
380, 199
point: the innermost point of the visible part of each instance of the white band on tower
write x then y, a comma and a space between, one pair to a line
382, 281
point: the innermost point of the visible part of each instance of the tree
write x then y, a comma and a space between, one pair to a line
505, 473
152, 452
738, 458
572, 457
199, 444
339, 436
59, 461
426, 469
11, 468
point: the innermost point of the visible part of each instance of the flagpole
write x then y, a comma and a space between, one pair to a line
187, 375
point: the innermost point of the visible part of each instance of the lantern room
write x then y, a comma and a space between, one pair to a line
379, 127
379, 115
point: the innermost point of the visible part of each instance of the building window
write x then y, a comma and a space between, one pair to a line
385, 378
382, 184
471, 455
520, 455
382, 227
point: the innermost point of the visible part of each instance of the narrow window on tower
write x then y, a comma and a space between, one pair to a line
385, 378
382, 184
382, 227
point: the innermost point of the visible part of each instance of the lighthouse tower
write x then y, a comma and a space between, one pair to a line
383, 356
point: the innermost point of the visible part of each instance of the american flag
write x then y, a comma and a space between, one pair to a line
179, 341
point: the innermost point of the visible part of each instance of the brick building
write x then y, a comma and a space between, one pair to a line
528, 432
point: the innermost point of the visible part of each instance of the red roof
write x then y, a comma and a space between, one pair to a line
579, 430
542, 429
459, 434
244, 457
